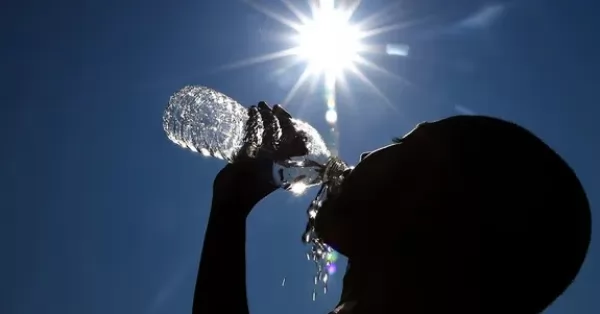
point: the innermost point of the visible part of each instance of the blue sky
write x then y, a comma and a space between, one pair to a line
102, 214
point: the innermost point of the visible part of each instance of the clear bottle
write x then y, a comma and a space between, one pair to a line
213, 124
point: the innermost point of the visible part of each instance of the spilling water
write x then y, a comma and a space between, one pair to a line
319, 252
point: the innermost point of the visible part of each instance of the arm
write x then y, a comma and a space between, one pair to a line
221, 281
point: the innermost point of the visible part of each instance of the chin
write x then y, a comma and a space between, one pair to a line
333, 228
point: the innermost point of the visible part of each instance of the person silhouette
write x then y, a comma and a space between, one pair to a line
468, 214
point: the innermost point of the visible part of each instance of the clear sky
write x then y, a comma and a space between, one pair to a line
102, 214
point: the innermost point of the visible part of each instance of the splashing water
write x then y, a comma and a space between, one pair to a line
322, 255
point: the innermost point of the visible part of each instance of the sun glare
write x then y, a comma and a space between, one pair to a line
328, 42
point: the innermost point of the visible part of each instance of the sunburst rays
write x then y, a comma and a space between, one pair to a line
330, 45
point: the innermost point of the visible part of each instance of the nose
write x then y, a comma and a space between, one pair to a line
364, 155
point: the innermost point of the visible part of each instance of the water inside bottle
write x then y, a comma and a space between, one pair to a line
205, 121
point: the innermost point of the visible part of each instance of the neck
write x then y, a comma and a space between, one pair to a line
404, 287
364, 291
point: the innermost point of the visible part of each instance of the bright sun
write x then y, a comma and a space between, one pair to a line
328, 42
330, 46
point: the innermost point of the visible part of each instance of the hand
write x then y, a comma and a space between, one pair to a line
246, 181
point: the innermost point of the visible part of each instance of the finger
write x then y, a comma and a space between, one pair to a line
281, 113
252, 135
293, 141
271, 130
263, 106
288, 131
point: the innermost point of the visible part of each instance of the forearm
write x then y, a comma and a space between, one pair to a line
221, 281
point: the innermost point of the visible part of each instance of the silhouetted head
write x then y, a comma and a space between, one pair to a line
468, 214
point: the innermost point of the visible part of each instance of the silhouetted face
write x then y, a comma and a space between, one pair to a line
387, 179
463, 209
387, 220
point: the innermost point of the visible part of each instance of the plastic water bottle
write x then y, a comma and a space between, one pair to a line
213, 124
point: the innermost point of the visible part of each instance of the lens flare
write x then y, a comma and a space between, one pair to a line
331, 116
332, 256
298, 188
331, 269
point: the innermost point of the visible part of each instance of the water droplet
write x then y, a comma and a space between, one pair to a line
204, 152
306, 237
314, 295
283, 282
325, 290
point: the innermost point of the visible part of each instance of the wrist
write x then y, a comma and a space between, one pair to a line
231, 207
